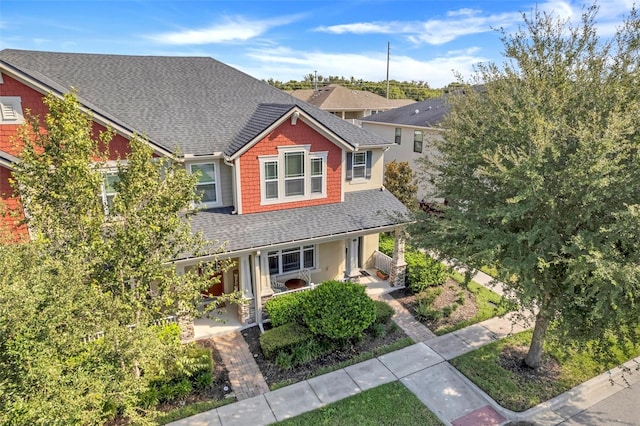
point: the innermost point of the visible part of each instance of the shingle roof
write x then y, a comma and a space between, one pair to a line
336, 97
196, 103
427, 113
360, 211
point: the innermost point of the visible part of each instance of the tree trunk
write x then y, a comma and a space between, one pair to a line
534, 356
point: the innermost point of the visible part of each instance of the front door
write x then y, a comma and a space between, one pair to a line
352, 253
216, 289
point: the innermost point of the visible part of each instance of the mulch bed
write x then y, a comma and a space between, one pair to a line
512, 359
215, 392
451, 291
274, 374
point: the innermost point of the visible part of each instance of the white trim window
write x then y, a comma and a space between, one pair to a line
208, 183
359, 165
291, 260
11, 110
292, 175
109, 192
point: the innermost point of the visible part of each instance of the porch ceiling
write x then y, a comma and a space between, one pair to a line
361, 211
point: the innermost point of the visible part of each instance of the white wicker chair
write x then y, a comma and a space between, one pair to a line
305, 274
277, 286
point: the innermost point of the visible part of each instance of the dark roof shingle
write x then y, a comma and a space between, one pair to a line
360, 211
198, 104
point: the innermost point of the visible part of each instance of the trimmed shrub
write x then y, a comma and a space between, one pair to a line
286, 308
423, 271
338, 310
283, 339
384, 312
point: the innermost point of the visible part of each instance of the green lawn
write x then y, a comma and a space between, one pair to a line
517, 394
389, 404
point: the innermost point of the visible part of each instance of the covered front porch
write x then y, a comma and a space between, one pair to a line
236, 317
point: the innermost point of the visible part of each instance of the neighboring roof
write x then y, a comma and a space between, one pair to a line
198, 104
335, 97
360, 211
427, 113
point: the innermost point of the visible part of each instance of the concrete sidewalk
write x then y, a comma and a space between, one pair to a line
424, 369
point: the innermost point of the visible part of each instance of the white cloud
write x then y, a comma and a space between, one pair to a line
230, 30
287, 64
433, 31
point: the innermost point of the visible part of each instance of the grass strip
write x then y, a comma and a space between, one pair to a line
389, 404
517, 393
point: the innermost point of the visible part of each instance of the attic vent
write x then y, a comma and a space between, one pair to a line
10, 110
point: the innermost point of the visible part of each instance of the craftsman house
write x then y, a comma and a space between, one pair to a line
292, 191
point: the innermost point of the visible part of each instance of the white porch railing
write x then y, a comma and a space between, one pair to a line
382, 261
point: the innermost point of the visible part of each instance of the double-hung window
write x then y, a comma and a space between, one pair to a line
293, 174
207, 185
417, 141
109, 190
359, 165
291, 259
398, 136
271, 180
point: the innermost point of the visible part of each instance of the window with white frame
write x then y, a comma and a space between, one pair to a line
11, 110
359, 165
271, 180
207, 185
294, 174
417, 141
291, 259
109, 190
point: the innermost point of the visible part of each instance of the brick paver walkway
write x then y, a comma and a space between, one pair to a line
244, 374
405, 320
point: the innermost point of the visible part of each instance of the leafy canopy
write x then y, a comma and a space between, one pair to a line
78, 302
541, 169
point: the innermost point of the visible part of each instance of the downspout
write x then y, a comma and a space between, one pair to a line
234, 185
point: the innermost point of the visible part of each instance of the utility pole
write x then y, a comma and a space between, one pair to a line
315, 80
388, 55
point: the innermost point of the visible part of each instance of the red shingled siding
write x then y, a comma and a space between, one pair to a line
9, 203
287, 135
32, 100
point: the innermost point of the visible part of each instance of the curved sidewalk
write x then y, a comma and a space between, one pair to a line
424, 369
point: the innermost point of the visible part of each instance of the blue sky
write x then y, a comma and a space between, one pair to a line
290, 39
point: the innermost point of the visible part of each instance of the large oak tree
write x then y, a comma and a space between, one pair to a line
541, 170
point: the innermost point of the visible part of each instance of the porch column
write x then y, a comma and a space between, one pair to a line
398, 265
244, 309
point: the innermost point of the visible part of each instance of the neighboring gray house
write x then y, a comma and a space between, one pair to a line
293, 191
412, 129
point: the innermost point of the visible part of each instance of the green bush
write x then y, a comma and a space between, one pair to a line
385, 244
424, 271
202, 380
384, 312
285, 308
338, 310
283, 338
